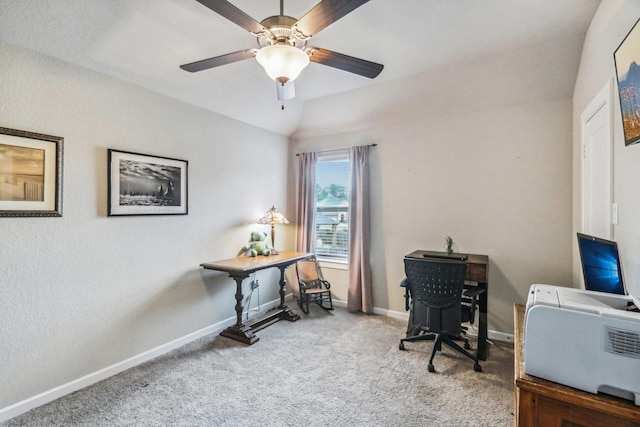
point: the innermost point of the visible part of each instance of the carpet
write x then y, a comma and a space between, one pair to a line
328, 368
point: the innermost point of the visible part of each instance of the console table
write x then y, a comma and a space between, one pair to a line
543, 403
477, 271
241, 267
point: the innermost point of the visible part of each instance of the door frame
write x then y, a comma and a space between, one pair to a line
602, 100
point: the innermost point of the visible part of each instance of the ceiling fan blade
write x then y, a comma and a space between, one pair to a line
345, 62
326, 13
233, 14
217, 61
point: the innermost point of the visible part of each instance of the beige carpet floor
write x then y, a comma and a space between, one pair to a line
327, 369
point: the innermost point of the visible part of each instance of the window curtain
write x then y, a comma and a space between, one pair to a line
305, 210
360, 295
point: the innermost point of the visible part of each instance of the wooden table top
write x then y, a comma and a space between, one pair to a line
245, 264
478, 270
471, 258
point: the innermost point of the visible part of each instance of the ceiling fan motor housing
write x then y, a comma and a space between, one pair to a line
281, 30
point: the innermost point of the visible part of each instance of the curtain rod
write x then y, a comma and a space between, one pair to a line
340, 149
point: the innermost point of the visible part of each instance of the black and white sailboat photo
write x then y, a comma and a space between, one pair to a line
148, 184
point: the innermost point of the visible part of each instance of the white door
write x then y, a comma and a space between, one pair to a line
597, 177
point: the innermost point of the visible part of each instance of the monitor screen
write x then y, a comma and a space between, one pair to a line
600, 265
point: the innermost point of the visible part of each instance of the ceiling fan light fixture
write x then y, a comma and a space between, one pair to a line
283, 63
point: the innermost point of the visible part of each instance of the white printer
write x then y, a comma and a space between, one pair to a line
584, 339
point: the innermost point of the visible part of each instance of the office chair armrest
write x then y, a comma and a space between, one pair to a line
474, 292
473, 295
405, 284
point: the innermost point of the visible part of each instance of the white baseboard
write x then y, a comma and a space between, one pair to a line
376, 310
57, 392
90, 379
501, 336
491, 335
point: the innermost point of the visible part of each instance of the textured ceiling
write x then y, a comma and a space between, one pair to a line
144, 42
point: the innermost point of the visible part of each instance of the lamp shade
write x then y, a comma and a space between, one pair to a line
273, 216
283, 63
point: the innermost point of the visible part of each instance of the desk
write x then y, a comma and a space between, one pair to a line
542, 403
241, 267
477, 271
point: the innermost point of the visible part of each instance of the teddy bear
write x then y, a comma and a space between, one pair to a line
257, 245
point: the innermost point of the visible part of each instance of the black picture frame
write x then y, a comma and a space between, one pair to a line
30, 174
627, 63
143, 184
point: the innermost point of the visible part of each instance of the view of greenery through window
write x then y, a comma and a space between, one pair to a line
332, 209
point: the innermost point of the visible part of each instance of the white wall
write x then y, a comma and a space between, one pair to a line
481, 152
610, 25
86, 291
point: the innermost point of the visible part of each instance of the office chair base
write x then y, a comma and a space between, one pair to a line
438, 341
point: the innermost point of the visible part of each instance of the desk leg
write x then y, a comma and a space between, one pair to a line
239, 331
482, 323
287, 313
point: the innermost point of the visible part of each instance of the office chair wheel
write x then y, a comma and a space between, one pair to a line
431, 368
477, 367
401, 346
467, 346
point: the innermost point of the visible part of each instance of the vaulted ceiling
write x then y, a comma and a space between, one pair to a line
145, 41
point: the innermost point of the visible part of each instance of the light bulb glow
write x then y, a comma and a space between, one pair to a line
282, 63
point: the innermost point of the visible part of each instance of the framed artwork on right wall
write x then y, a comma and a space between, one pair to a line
627, 63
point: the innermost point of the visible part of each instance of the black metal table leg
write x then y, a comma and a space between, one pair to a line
482, 323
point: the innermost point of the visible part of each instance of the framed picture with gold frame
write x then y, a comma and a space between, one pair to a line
30, 174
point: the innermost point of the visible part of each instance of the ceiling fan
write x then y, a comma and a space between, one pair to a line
283, 41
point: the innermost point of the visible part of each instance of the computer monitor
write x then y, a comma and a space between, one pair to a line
600, 265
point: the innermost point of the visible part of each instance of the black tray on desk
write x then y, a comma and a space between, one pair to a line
445, 255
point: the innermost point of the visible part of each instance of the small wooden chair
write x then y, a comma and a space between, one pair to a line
313, 287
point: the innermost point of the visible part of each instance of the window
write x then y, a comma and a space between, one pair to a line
332, 207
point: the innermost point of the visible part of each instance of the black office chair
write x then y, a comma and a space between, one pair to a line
313, 287
436, 289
